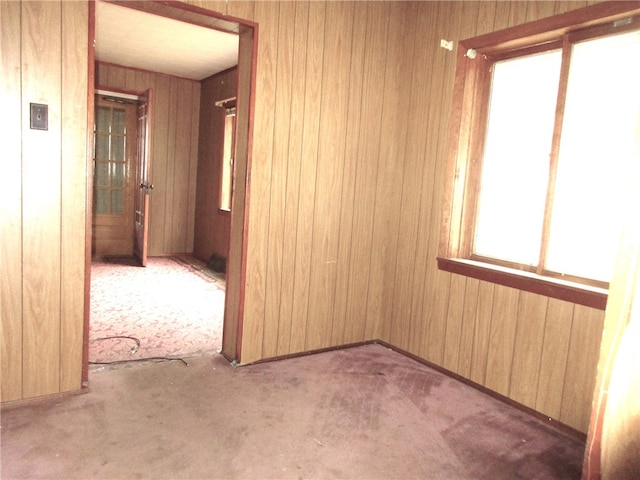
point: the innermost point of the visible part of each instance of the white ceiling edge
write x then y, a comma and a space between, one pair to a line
131, 38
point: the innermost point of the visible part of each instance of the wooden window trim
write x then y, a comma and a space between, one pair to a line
467, 137
227, 153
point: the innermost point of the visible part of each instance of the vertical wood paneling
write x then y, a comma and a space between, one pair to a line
282, 125
348, 160
10, 207
265, 13
469, 323
532, 310
391, 159
170, 191
158, 172
234, 298
41, 199
358, 29
536, 10
183, 161
582, 360
502, 14
518, 13
211, 227
75, 22
194, 131
423, 262
553, 365
328, 182
377, 18
243, 10
402, 326
453, 331
435, 293
174, 153
501, 339
482, 333
294, 164
513, 346
310, 132
44, 60
566, 6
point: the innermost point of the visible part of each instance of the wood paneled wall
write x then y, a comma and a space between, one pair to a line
174, 153
211, 225
349, 154
347, 171
42, 201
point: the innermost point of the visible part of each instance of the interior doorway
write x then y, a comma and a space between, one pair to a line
246, 61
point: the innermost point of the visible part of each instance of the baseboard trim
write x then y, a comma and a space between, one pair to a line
306, 353
555, 424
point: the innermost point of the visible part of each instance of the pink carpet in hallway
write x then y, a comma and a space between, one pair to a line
173, 309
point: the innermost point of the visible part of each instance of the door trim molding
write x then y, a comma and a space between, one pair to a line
247, 56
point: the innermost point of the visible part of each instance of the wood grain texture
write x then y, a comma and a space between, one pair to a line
293, 180
281, 128
376, 15
328, 178
469, 327
41, 199
174, 163
212, 227
502, 339
347, 165
75, 23
382, 225
402, 321
553, 365
44, 55
308, 159
235, 291
253, 329
454, 325
11, 207
482, 331
527, 352
582, 360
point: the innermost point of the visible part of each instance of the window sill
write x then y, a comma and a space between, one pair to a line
571, 292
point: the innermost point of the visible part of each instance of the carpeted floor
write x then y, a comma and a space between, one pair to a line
360, 413
171, 307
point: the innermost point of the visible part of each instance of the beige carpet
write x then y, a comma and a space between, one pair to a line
170, 308
361, 413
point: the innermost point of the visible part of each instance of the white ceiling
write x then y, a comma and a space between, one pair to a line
132, 38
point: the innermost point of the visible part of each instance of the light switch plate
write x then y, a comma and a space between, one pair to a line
39, 116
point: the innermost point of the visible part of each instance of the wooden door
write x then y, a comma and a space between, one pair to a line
144, 187
113, 187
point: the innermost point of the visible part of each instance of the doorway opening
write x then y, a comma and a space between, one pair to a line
232, 306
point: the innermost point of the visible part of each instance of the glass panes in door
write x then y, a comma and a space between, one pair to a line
110, 160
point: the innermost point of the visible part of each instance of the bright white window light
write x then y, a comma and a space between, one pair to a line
515, 168
600, 137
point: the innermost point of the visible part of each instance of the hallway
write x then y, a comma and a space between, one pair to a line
174, 307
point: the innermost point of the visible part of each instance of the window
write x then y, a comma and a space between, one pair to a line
547, 126
226, 173
111, 164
